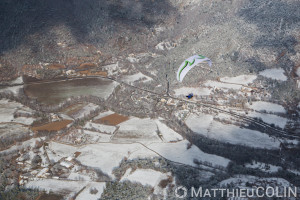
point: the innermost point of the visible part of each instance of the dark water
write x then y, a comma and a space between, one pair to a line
56, 92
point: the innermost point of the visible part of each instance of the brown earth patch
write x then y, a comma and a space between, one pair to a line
89, 73
56, 66
86, 66
53, 126
45, 196
113, 119
73, 109
294, 71
77, 153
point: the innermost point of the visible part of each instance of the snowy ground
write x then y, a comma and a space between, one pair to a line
270, 118
136, 77
267, 106
263, 167
197, 91
86, 110
205, 125
226, 86
277, 74
144, 176
100, 127
178, 152
242, 79
68, 188
145, 131
241, 180
7, 110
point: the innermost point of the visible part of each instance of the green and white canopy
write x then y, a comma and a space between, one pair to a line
189, 63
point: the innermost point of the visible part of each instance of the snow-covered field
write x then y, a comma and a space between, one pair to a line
205, 125
137, 129
270, 118
277, 74
57, 151
103, 114
100, 127
93, 191
7, 110
242, 180
199, 123
145, 131
57, 186
68, 188
102, 156
167, 134
94, 137
136, 77
267, 106
298, 71
263, 167
216, 84
107, 91
12, 89
107, 156
86, 110
242, 79
236, 135
197, 91
178, 152
144, 176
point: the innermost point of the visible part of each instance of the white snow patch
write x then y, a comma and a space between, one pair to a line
277, 74
12, 89
66, 164
199, 123
107, 156
242, 180
7, 110
86, 110
298, 71
236, 135
168, 134
205, 125
86, 193
178, 152
267, 106
100, 127
57, 186
164, 45
145, 177
132, 59
111, 69
136, 77
96, 136
270, 119
29, 143
263, 167
294, 171
216, 84
78, 177
137, 129
23, 120
242, 79
18, 80
57, 151
103, 114
197, 91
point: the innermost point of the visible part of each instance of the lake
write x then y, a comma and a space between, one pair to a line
55, 92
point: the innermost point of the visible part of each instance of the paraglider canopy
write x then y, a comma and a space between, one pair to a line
189, 63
